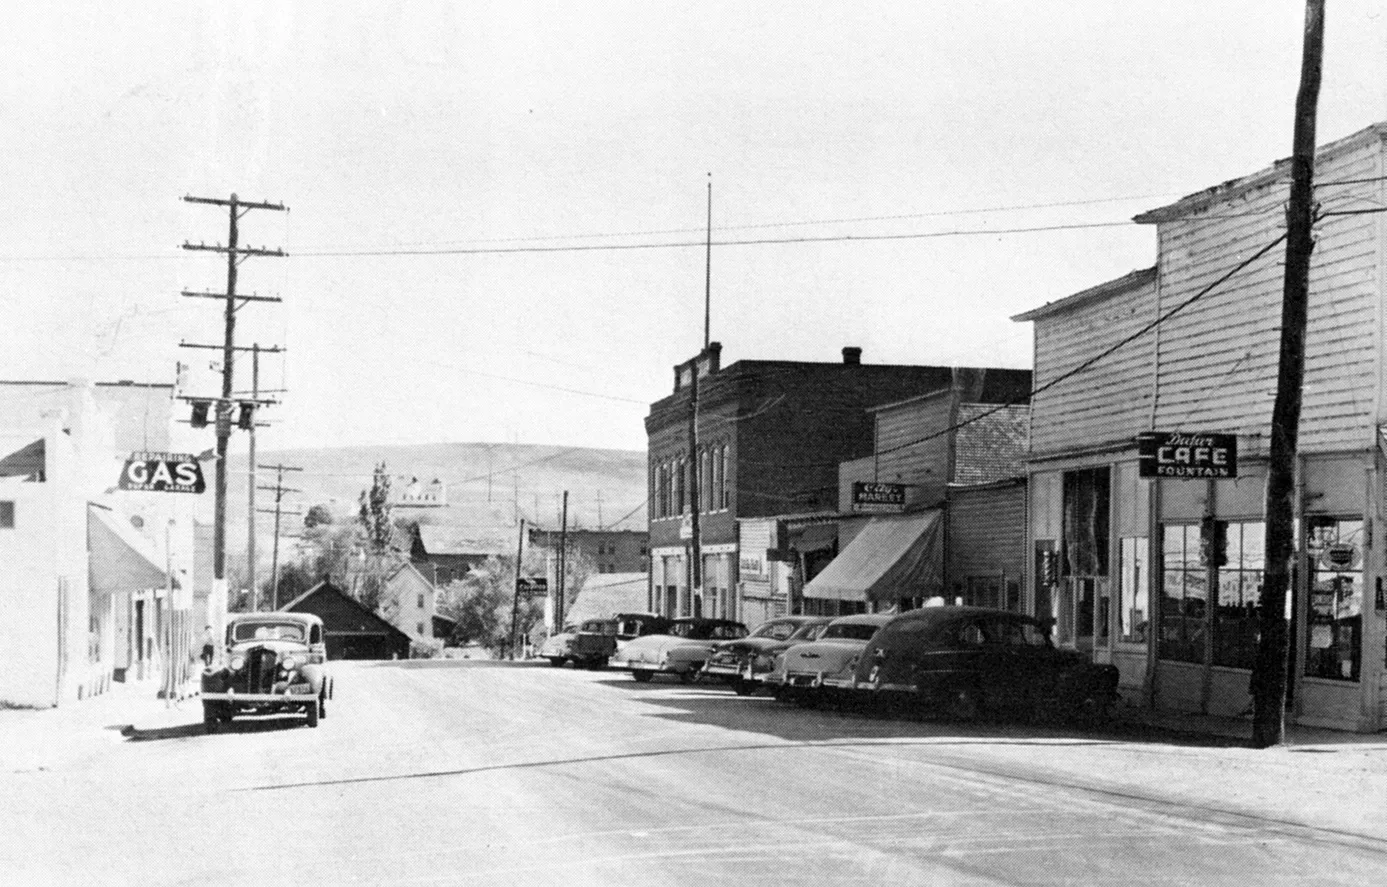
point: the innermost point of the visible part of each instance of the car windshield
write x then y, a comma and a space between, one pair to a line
599, 626
809, 631
850, 631
703, 631
267, 631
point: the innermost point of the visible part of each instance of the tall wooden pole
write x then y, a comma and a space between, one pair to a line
1271, 671
250, 510
515, 602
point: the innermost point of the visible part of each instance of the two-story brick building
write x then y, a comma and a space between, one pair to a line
762, 438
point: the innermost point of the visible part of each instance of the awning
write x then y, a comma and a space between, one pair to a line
119, 558
890, 558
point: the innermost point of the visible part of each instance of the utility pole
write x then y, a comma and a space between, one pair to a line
515, 601
1269, 677
560, 602
279, 489
235, 253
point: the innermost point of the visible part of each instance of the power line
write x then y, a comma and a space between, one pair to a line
1099, 356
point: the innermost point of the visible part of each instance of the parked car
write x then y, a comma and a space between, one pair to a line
630, 626
558, 647
808, 670
681, 651
967, 661
743, 664
593, 643
274, 662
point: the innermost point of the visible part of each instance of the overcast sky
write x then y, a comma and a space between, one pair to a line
406, 137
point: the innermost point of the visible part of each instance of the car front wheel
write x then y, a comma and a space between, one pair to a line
313, 714
641, 676
556, 661
963, 704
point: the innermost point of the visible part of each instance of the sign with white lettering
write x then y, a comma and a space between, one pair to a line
878, 497
1188, 456
162, 473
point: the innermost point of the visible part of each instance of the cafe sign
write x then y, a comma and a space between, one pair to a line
878, 497
1185, 455
162, 473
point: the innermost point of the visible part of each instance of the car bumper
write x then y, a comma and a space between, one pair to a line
298, 698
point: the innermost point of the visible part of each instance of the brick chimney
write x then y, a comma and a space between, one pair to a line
852, 356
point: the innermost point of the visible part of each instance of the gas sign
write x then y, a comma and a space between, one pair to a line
162, 473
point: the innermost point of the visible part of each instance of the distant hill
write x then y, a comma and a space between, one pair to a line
488, 486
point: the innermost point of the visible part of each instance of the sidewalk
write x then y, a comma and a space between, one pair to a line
44, 739
1238, 731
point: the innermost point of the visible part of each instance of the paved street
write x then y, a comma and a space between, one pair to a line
468, 772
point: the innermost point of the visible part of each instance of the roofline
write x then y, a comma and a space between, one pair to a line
1127, 282
49, 383
1278, 170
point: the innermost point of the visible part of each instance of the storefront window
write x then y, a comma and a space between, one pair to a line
1132, 615
1334, 630
1237, 616
1184, 595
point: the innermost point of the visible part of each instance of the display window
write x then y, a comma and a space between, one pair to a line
1132, 595
1184, 595
1232, 553
1334, 615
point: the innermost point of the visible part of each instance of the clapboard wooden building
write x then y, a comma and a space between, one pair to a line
1162, 576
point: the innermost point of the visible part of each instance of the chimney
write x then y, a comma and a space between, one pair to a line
852, 356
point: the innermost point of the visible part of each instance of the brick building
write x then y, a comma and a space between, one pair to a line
769, 439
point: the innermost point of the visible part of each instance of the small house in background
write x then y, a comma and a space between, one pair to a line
350, 629
444, 553
604, 595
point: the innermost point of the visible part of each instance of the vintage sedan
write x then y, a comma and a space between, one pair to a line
558, 647
273, 662
743, 664
680, 652
810, 671
967, 661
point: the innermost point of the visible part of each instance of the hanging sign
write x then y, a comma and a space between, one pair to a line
1340, 556
162, 473
1179, 454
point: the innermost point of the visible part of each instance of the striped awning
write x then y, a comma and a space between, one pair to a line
890, 558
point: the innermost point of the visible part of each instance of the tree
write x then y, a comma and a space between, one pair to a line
318, 515
376, 532
480, 603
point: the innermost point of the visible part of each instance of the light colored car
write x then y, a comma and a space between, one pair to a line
805, 672
744, 664
558, 647
681, 652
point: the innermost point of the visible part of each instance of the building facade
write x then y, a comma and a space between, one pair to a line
1162, 575
754, 440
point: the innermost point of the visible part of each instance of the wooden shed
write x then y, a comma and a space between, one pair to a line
351, 630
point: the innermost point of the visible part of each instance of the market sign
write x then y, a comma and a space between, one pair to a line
1191, 456
529, 588
162, 473
878, 497
751, 564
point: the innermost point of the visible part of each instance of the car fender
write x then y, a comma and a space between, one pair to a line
314, 675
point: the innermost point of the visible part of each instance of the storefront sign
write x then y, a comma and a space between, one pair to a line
530, 588
878, 497
751, 565
686, 528
162, 473
1192, 456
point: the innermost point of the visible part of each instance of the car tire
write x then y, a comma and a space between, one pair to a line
743, 687
963, 704
557, 661
322, 706
642, 677
690, 675
211, 717
312, 713
598, 664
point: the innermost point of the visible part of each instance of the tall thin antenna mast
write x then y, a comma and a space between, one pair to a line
708, 273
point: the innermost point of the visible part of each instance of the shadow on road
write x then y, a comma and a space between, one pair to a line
269, 724
713, 705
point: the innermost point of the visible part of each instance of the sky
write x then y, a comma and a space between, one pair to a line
497, 210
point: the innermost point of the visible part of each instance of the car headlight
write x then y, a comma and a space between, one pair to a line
288, 663
238, 663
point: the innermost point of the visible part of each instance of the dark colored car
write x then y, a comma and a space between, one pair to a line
966, 661
744, 664
273, 662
